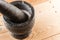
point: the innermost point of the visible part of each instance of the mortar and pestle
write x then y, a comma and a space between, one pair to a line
18, 18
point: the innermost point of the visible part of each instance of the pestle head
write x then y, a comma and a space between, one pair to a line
12, 12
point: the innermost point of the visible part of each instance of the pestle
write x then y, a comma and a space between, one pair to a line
18, 18
12, 12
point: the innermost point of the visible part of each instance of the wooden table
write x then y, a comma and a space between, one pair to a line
46, 27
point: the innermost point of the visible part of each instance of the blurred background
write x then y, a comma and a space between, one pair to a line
47, 21
34, 2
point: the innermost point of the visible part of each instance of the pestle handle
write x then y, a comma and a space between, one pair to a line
12, 12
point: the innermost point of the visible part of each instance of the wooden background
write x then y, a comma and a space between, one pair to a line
47, 22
